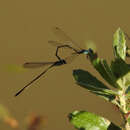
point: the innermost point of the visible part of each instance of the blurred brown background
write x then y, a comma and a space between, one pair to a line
25, 28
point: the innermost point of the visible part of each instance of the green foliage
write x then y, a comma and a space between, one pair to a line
91, 83
117, 74
119, 44
122, 72
105, 71
83, 120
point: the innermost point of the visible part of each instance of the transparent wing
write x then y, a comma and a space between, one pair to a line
71, 58
64, 37
61, 34
36, 64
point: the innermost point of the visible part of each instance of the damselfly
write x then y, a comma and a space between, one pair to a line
66, 43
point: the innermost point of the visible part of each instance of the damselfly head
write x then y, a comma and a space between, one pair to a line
90, 50
91, 55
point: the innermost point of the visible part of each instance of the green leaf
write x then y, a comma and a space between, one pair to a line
110, 77
119, 44
91, 83
83, 120
128, 119
105, 71
122, 72
128, 91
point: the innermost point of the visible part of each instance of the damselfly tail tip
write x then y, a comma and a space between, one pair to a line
19, 92
16, 95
